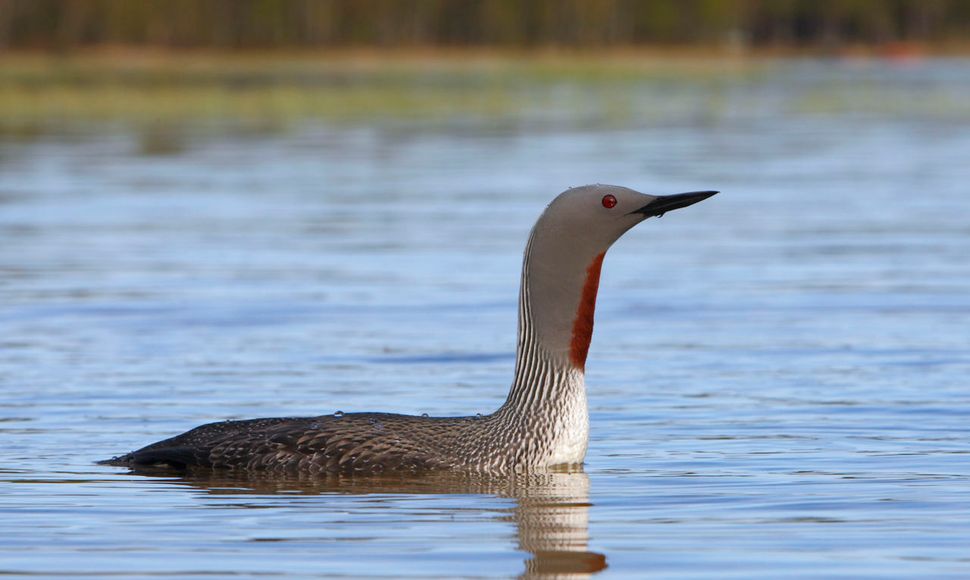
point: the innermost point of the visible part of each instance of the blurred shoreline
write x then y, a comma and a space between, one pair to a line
122, 54
166, 89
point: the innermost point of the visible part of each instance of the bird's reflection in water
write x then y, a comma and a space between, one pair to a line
551, 511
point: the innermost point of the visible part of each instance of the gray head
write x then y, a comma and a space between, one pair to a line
565, 252
592, 217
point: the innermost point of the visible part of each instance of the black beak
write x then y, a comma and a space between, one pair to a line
665, 203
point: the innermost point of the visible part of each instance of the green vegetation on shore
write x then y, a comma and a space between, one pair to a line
66, 25
272, 90
276, 63
163, 95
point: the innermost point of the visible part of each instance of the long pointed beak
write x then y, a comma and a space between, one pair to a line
665, 203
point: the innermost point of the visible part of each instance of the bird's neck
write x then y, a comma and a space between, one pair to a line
556, 306
557, 302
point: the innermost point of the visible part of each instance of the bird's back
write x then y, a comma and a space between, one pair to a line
353, 442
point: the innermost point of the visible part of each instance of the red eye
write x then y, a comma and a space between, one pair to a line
609, 201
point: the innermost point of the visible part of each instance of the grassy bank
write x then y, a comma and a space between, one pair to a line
40, 91
166, 92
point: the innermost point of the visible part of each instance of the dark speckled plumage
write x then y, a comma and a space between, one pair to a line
352, 442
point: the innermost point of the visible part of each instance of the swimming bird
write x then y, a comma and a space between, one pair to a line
544, 421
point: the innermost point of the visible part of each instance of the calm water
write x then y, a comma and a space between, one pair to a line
779, 381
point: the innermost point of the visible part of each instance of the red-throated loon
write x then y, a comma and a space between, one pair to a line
544, 422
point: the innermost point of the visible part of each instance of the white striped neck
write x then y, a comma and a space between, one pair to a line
547, 405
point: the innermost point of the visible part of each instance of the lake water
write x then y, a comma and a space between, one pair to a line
779, 380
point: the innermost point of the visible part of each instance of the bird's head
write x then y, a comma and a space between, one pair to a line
595, 216
565, 254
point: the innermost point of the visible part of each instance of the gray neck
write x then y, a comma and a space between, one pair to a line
542, 366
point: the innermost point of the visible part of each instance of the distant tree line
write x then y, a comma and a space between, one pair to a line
64, 25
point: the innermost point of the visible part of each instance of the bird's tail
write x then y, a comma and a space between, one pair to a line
119, 461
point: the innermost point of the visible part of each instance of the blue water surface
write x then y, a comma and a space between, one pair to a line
779, 381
